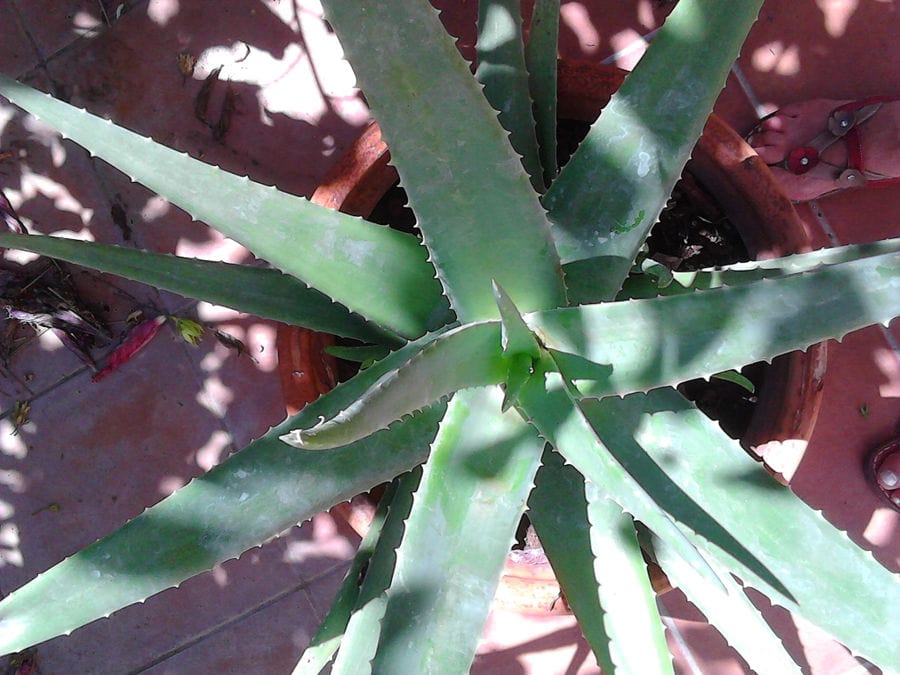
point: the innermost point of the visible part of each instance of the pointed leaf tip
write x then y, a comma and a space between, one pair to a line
515, 336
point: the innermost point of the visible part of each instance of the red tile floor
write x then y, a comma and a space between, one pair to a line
92, 455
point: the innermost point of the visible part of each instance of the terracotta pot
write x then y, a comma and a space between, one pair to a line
788, 401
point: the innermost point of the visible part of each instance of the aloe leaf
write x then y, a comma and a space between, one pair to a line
630, 346
518, 371
637, 639
625, 347
515, 338
558, 510
462, 524
325, 642
520, 347
342, 256
251, 497
645, 285
360, 640
613, 188
501, 69
557, 414
468, 356
736, 378
730, 611
364, 354
259, 291
540, 60
479, 216
781, 546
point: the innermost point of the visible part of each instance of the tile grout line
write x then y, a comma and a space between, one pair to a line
744, 83
41, 60
49, 389
236, 618
89, 34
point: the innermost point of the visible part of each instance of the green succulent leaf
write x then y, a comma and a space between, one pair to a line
520, 368
558, 510
380, 273
736, 378
364, 354
263, 292
325, 642
361, 638
251, 497
501, 69
468, 356
646, 285
520, 347
479, 216
637, 639
652, 455
547, 403
636, 345
730, 611
540, 60
626, 347
515, 338
462, 524
781, 547
638, 147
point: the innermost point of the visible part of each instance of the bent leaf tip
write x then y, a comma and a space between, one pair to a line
305, 439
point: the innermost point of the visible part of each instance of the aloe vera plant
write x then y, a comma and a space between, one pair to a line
499, 389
